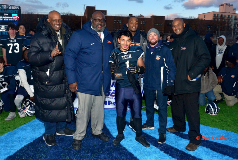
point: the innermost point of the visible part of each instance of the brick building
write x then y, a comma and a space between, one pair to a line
226, 13
115, 23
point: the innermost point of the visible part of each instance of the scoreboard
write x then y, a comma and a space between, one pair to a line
8, 14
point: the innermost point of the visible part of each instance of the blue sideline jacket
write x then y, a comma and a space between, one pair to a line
160, 69
230, 80
86, 60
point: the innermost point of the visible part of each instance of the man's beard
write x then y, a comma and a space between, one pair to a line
97, 30
153, 43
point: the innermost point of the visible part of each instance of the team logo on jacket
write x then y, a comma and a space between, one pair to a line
232, 76
157, 57
109, 42
183, 48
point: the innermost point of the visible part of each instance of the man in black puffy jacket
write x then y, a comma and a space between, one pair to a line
191, 57
52, 95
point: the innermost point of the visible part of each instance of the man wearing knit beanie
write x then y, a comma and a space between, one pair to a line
158, 81
153, 30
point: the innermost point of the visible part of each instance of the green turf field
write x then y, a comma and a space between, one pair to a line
226, 119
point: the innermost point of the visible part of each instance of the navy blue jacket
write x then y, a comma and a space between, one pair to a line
233, 50
86, 60
160, 69
230, 79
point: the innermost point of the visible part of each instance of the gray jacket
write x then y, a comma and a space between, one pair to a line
208, 81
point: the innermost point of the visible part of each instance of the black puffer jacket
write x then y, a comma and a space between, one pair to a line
191, 57
52, 96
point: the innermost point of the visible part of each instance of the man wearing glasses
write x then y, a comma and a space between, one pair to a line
88, 72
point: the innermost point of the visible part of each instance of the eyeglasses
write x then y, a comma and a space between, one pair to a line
99, 20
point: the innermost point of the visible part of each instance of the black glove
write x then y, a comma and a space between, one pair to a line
112, 67
168, 90
140, 70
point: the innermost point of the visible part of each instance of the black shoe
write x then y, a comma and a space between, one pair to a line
66, 132
192, 147
49, 140
102, 136
142, 141
162, 138
132, 126
118, 139
76, 144
145, 126
171, 130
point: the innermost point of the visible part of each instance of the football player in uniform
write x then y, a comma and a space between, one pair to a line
21, 30
8, 86
12, 46
25, 88
22, 33
127, 59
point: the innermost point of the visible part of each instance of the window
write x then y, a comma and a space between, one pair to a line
224, 16
214, 15
231, 16
204, 16
228, 16
221, 15
217, 15
142, 22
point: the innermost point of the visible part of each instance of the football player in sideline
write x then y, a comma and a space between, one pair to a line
8, 86
25, 87
12, 46
128, 60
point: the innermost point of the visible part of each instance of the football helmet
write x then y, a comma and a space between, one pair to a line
3, 87
212, 109
28, 107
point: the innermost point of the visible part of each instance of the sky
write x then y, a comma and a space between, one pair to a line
169, 8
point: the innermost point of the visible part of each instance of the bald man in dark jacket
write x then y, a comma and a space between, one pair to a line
52, 95
191, 57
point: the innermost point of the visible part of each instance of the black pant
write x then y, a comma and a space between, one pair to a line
187, 103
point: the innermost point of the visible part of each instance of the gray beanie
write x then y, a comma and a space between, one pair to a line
153, 30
